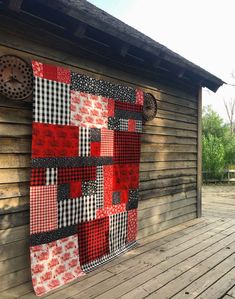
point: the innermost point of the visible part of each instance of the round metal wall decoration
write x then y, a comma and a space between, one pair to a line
16, 78
150, 107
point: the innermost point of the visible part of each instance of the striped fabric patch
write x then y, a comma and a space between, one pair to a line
84, 142
76, 210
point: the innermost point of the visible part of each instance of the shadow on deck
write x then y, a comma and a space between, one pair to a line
192, 260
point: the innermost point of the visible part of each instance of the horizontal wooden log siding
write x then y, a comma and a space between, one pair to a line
168, 171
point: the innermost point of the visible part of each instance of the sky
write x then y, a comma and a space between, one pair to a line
200, 30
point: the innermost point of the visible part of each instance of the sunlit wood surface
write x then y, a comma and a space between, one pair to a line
191, 260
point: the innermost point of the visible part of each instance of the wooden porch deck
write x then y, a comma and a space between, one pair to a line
191, 260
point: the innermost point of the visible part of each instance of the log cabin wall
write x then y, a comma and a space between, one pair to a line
168, 175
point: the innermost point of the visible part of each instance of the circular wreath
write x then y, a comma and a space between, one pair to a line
150, 107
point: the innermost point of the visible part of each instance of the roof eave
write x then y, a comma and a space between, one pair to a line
83, 12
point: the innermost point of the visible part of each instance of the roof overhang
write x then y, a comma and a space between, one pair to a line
105, 38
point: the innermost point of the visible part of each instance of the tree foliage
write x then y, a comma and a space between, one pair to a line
212, 123
218, 144
213, 156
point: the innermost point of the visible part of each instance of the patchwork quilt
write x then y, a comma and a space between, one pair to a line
84, 174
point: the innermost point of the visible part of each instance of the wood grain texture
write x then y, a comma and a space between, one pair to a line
15, 116
15, 130
159, 139
157, 121
15, 145
14, 190
14, 219
164, 114
14, 161
177, 148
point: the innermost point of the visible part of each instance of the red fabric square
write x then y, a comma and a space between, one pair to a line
54, 140
127, 106
75, 189
63, 75
139, 97
43, 209
132, 225
125, 177
126, 147
50, 72
95, 149
37, 68
38, 177
108, 185
107, 137
111, 105
93, 240
108, 211
124, 196
131, 125
74, 174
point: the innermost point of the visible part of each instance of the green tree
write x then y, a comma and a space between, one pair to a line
213, 156
212, 123
218, 143
229, 147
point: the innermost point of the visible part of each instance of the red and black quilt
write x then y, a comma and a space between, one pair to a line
84, 173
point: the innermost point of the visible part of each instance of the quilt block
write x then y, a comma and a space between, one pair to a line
84, 186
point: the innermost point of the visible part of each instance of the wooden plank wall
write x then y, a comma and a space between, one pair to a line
168, 173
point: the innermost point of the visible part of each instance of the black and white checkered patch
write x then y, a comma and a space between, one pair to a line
76, 210
123, 124
138, 126
87, 208
51, 176
84, 142
51, 102
68, 212
118, 231
100, 187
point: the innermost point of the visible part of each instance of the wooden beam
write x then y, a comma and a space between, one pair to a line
181, 72
158, 59
199, 155
157, 62
80, 30
15, 5
124, 49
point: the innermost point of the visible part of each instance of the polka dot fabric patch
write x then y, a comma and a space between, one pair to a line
84, 173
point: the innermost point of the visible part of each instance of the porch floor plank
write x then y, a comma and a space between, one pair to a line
191, 260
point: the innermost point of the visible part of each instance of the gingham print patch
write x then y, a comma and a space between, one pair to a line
118, 231
51, 102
